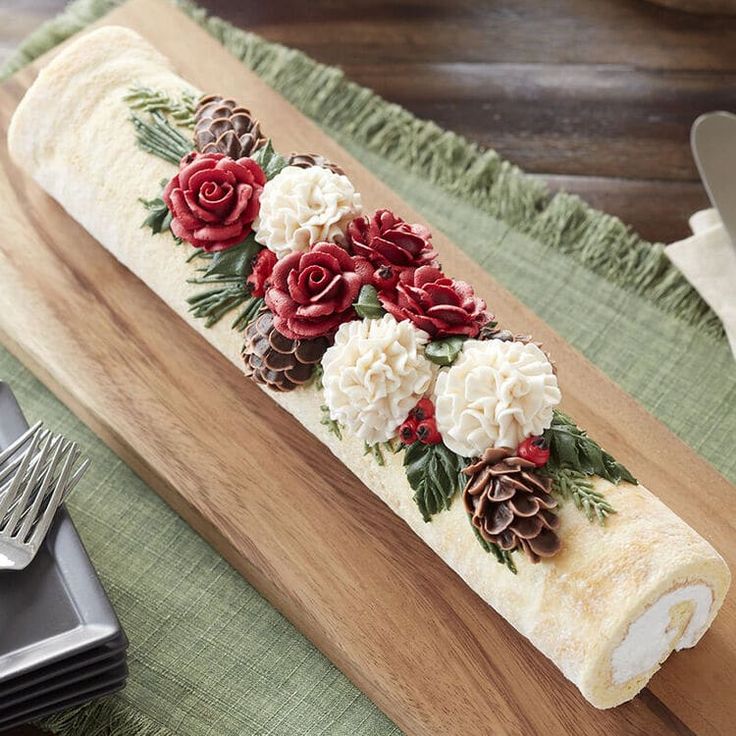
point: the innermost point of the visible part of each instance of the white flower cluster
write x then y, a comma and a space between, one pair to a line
374, 375
299, 207
496, 394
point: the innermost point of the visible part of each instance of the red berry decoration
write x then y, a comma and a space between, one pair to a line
535, 450
427, 432
423, 410
408, 431
385, 277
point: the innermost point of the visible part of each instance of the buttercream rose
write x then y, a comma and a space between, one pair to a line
496, 394
261, 273
300, 207
436, 304
385, 240
214, 200
311, 294
374, 374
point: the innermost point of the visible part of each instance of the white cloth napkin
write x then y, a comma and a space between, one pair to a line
707, 259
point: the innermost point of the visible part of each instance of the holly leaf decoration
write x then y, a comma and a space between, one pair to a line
434, 473
444, 352
234, 262
158, 217
269, 160
570, 447
368, 306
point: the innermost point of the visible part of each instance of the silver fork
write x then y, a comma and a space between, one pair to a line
38, 481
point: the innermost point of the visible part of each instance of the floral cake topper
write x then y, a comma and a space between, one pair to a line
356, 306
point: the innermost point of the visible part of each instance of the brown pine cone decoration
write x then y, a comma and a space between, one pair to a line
492, 331
276, 361
306, 160
510, 504
220, 126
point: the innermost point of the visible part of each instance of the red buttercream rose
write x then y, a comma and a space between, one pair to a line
312, 293
436, 304
385, 240
213, 199
262, 268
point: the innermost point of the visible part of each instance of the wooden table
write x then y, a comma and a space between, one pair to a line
596, 96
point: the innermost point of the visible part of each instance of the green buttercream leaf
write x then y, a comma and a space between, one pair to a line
434, 473
444, 352
502, 556
235, 261
368, 306
269, 160
158, 217
571, 448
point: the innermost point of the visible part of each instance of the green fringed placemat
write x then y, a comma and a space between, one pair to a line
208, 655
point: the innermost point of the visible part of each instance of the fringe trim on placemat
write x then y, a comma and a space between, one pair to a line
600, 242
105, 717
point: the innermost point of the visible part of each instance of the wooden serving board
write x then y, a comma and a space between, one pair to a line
349, 574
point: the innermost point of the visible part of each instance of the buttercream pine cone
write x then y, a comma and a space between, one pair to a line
222, 126
492, 331
306, 160
276, 361
510, 504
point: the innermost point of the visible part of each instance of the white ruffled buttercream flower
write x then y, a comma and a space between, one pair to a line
374, 374
494, 395
299, 207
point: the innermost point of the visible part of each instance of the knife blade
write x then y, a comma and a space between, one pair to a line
713, 142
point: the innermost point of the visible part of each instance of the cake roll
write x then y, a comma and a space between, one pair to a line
349, 323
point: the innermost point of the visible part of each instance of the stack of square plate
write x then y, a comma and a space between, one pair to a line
60, 641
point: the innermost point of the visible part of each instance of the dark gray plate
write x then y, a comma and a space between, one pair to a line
66, 698
112, 649
56, 607
67, 681
47, 710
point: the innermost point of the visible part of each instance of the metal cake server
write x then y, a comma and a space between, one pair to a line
713, 141
34, 484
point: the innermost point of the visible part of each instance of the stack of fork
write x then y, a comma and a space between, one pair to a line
37, 471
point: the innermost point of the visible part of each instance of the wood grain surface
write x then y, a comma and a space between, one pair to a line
596, 96
345, 570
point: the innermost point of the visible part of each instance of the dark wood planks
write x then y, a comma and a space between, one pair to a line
599, 95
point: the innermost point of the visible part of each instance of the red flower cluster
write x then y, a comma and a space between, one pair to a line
263, 266
420, 425
312, 293
214, 199
436, 304
388, 243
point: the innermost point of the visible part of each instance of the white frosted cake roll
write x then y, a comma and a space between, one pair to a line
607, 609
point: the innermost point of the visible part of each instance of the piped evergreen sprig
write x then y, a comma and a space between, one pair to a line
572, 485
225, 272
158, 136
180, 109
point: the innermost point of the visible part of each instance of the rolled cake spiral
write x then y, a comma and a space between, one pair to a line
607, 609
